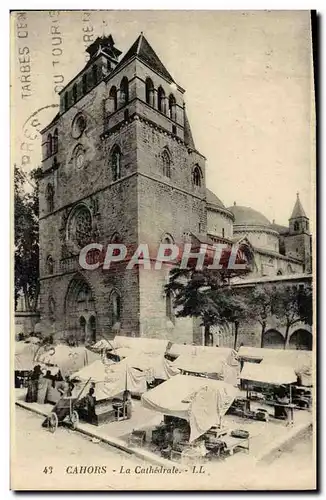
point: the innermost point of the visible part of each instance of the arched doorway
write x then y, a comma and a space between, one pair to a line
79, 307
301, 340
273, 339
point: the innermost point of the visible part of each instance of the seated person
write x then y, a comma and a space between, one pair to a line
89, 402
281, 400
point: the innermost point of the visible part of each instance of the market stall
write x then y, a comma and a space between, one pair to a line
155, 365
58, 362
270, 384
300, 361
24, 361
111, 381
176, 350
140, 344
200, 402
221, 364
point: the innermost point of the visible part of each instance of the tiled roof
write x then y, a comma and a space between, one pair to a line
298, 209
213, 199
142, 49
246, 216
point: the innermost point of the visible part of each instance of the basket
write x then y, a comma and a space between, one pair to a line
240, 433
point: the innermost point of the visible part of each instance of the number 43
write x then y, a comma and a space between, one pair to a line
48, 469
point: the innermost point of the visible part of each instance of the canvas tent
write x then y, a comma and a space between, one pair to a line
101, 345
271, 374
25, 356
111, 379
202, 402
154, 364
176, 350
220, 363
140, 344
65, 358
300, 361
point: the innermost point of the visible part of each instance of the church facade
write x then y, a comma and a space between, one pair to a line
120, 165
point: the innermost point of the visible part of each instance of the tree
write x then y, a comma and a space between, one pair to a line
260, 303
291, 306
205, 294
237, 311
26, 237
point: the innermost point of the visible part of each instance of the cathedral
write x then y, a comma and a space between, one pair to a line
120, 165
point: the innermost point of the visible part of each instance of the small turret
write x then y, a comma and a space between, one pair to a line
298, 222
298, 240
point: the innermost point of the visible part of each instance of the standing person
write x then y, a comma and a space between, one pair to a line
90, 401
43, 385
65, 388
33, 384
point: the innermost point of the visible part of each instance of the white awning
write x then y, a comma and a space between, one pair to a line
268, 374
140, 344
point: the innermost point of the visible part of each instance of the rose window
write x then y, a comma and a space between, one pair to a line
81, 227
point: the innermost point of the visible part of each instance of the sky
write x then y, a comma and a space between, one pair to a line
248, 81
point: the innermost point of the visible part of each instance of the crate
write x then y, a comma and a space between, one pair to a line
137, 438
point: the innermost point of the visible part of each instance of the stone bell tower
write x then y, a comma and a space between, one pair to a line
298, 239
119, 164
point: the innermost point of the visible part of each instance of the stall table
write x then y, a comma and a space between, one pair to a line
235, 442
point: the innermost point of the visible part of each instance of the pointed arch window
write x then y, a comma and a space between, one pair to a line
82, 324
167, 239
116, 163
161, 100
169, 312
95, 74
55, 141
197, 176
166, 161
92, 329
116, 307
172, 107
52, 308
49, 265
74, 92
80, 226
65, 101
149, 91
124, 91
49, 198
296, 226
113, 101
49, 145
116, 238
84, 83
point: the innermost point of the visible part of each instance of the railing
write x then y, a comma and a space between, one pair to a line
69, 264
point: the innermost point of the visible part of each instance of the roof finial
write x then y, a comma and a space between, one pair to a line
103, 27
297, 194
234, 203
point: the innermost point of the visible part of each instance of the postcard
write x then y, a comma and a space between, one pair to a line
163, 197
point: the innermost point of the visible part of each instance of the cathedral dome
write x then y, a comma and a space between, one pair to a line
213, 199
246, 216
